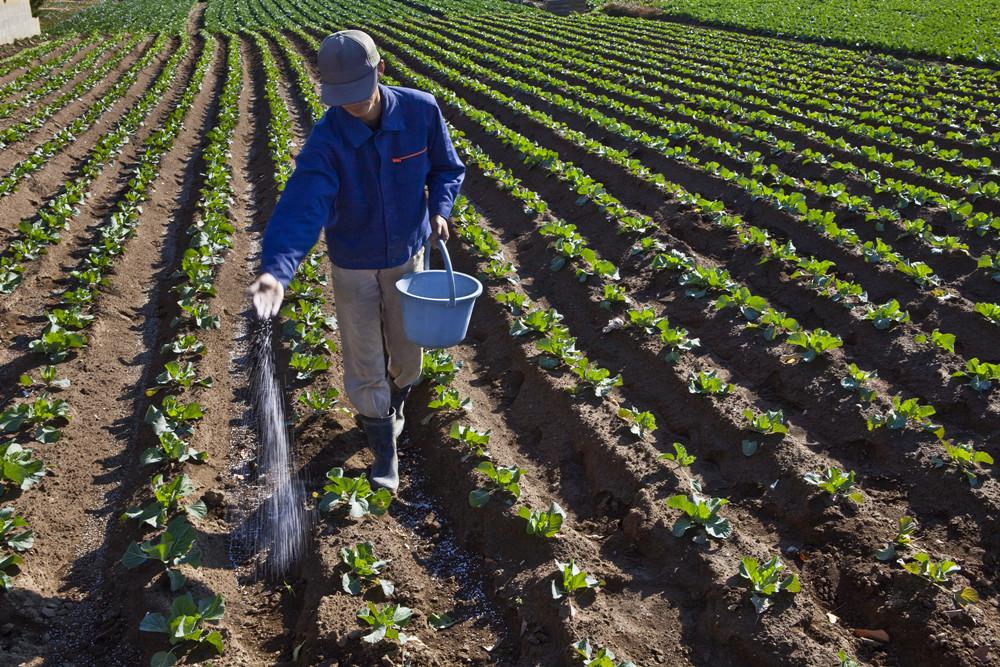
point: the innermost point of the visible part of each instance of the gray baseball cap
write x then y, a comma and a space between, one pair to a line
348, 67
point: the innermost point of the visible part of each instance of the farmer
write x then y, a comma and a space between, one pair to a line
361, 176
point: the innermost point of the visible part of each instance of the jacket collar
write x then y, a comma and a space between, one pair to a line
392, 118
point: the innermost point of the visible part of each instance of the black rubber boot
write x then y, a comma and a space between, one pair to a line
398, 399
385, 470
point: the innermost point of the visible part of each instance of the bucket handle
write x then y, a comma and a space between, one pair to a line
447, 266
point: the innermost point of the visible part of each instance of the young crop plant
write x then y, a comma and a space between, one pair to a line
990, 311
447, 398
906, 412
589, 374
44, 413
767, 580
836, 483
178, 375
57, 343
363, 570
602, 657
751, 306
907, 526
557, 348
981, 374
354, 494
319, 401
774, 323
537, 320
440, 367
813, 343
516, 302
475, 441
386, 623
307, 365
964, 458
700, 512
887, 314
48, 380
944, 341
545, 523
174, 547
186, 627
503, 480
166, 498
569, 581
679, 456
639, 423
16, 536
675, 340
18, 467
708, 383
939, 573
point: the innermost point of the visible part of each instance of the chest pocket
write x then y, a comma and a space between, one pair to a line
410, 166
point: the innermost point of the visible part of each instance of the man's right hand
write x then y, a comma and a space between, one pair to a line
267, 295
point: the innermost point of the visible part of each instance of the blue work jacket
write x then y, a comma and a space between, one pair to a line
365, 187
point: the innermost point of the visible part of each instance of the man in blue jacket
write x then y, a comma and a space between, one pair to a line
380, 175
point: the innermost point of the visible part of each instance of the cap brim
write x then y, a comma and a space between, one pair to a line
338, 94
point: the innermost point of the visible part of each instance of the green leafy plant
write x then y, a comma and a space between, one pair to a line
570, 579
905, 412
887, 314
602, 657
598, 379
354, 494
981, 374
18, 467
174, 547
16, 536
364, 569
939, 573
166, 497
319, 401
813, 343
964, 458
186, 623
307, 365
708, 383
386, 622
476, 441
48, 380
640, 423
447, 398
769, 422
538, 321
675, 340
907, 526
178, 375
945, 341
766, 581
679, 456
543, 523
846, 660
700, 511
439, 367
858, 381
990, 311
57, 343
500, 479
835, 482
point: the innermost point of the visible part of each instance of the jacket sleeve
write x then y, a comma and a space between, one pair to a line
447, 170
302, 210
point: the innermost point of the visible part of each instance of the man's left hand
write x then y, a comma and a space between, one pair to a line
439, 229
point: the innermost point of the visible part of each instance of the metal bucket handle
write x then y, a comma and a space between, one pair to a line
447, 266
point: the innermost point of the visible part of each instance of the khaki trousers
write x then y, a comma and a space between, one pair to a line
370, 318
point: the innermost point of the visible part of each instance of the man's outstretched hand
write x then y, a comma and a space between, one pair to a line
267, 295
439, 229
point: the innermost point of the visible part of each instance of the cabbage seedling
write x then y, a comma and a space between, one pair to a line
700, 511
836, 483
166, 496
175, 547
766, 581
447, 398
439, 367
386, 622
475, 440
945, 341
981, 374
319, 401
679, 456
708, 383
964, 458
186, 623
939, 573
501, 479
602, 657
546, 524
770, 422
640, 423
353, 493
990, 311
19, 467
675, 340
858, 381
887, 314
14, 531
813, 343
570, 579
903, 538
363, 569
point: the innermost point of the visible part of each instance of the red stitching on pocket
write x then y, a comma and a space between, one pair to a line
407, 157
